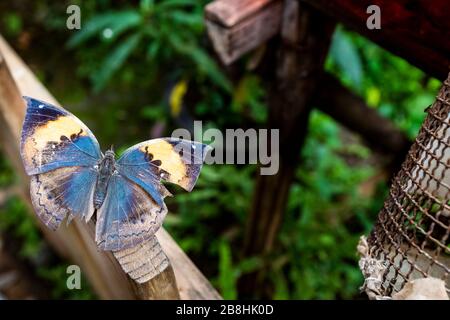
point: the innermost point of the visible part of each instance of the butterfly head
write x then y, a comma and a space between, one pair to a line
110, 152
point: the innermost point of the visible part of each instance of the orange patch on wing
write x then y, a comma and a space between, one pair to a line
171, 161
50, 131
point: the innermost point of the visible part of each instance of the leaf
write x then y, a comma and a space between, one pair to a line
346, 56
153, 49
176, 97
204, 63
116, 21
190, 20
227, 278
146, 5
115, 60
171, 4
13, 23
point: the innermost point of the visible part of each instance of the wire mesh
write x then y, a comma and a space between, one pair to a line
411, 235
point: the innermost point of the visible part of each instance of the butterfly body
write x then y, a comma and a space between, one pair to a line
106, 168
71, 177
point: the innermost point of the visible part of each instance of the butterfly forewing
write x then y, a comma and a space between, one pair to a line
173, 160
53, 138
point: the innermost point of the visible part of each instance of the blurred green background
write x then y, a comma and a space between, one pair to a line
139, 69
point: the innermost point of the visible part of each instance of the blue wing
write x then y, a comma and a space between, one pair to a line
53, 138
61, 192
173, 160
134, 209
128, 215
60, 153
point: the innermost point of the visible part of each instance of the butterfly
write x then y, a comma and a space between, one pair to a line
71, 177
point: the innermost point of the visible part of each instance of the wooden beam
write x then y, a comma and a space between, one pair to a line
236, 27
75, 242
304, 43
350, 110
415, 30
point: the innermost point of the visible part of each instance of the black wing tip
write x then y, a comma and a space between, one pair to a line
205, 148
33, 103
31, 100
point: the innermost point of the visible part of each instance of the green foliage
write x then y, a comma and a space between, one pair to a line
14, 216
391, 85
249, 98
229, 273
163, 31
346, 57
12, 23
325, 217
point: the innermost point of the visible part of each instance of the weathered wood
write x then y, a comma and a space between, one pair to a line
305, 38
150, 270
76, 241
415, 30
228, 13
161, 287
143, 261
236, 27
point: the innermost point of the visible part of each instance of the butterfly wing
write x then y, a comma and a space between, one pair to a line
59, 152
61, 192
173, 160
128, 215
53, 138
134, 209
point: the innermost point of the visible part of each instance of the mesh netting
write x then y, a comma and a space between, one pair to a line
411, 236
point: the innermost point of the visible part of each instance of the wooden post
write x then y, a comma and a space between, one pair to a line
305, 38
76, 241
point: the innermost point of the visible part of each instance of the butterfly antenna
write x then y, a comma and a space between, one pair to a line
112, 148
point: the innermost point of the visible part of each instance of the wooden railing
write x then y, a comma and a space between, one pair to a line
75, 242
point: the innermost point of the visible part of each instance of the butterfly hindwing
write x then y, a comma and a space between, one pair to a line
173, 160
61, 192
128, 215
53, 138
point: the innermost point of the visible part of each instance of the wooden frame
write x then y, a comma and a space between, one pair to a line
239, 26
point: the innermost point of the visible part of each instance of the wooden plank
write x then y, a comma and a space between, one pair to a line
228, 13
150, 270
415, 30
76, 241
237, 27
